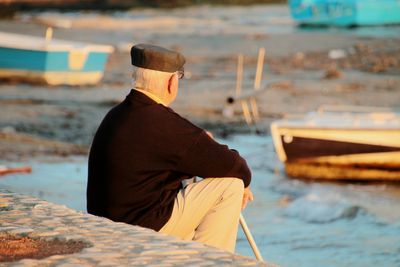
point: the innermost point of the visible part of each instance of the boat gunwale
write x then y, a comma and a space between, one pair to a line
24, 42
280, 126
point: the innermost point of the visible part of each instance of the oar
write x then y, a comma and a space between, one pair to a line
250, 238
5, 170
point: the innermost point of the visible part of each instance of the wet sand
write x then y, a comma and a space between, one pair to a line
300, 72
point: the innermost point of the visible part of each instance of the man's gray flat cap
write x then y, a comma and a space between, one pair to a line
156, 58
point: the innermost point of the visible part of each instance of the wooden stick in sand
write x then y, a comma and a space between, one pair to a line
257, 83
260, 65
239, 75
239, 78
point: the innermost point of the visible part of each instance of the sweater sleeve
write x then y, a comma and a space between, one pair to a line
206, 158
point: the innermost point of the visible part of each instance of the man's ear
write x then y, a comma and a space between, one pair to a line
172, 83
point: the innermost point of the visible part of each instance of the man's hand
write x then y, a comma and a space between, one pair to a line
210, 134
247, 196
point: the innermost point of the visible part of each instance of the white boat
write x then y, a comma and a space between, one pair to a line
340, 143
51, 61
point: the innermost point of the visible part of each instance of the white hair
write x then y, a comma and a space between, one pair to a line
150, 80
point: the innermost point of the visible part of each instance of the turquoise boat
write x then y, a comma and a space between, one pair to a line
51, 61
345, 13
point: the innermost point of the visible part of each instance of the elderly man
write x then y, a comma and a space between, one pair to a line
143, 151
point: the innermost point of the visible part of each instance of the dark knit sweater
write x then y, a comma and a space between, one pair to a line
139, 156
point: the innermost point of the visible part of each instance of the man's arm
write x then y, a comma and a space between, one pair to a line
247, 195
207, 158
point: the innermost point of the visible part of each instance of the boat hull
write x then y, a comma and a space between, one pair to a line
345, 13
338, 153
340, 173
54, 64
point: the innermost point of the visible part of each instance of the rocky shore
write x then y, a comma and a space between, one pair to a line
70, 238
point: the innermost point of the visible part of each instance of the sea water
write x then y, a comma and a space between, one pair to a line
294, 223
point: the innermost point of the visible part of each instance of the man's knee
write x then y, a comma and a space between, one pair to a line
226, 184
236, 185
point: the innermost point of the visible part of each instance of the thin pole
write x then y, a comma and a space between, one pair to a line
250, 238
257, 82
254, 109
49, 35
246, 112
260, 65
239, 75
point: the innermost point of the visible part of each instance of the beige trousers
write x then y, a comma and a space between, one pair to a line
208, 211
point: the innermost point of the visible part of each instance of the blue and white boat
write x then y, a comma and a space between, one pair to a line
345, 13
51, 61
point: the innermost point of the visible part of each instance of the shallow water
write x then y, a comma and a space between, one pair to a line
294, 223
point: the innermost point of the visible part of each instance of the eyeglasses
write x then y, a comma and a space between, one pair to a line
181, 74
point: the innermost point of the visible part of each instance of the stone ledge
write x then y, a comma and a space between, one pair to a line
111, 243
